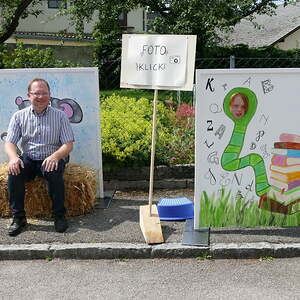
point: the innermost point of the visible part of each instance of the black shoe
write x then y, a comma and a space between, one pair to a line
17, 226
60, 224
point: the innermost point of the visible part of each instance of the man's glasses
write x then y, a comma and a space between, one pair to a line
39, 94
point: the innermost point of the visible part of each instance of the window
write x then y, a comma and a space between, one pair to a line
123, 19
57, 4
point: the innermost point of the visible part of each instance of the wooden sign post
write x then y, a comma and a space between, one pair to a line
149, 219
156, 62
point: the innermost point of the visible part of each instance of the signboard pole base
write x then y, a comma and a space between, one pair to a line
195, 237
149, 219
150, 225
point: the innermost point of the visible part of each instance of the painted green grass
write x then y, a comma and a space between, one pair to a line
222, 211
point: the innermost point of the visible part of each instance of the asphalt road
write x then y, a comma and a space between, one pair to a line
264, 278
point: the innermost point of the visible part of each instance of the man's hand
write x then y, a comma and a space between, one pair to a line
50, 163
14, 166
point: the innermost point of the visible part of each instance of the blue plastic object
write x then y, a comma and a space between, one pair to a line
171, 209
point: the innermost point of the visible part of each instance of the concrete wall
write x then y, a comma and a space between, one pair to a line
173, 177
82, 55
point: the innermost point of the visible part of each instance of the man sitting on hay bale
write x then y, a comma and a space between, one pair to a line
46, 141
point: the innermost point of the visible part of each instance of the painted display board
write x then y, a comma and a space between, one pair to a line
158, 61
247, 145
73, 90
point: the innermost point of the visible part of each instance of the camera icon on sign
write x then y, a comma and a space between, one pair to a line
174, 59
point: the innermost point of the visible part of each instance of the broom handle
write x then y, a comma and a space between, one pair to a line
152, 151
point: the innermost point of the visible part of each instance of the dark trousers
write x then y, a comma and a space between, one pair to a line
33, 168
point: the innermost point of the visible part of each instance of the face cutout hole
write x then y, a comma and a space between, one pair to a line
238, 105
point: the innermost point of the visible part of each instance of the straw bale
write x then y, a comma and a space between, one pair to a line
80, 193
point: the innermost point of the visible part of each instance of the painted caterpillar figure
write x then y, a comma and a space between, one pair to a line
231, 160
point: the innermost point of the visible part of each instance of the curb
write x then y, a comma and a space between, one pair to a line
143, 251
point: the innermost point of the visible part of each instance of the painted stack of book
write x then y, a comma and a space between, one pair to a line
285, 171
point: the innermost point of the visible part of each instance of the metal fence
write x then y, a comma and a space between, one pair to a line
110, 71
247, 62
109, 75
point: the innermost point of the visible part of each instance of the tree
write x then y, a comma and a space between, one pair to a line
201, 17
107, 11
107, 32
11, 11
205, 17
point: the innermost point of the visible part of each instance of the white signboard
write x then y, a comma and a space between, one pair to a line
248, 137
74, 91
158, 61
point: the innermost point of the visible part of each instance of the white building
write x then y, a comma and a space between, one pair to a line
51, 29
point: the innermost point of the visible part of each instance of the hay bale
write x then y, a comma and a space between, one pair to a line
4, 208
80, 193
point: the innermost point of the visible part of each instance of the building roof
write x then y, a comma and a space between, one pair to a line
270, 30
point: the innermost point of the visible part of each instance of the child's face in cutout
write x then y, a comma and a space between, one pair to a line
237, 107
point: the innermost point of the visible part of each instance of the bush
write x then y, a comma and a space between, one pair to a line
108, 60
127, 130
22, 57
181, 147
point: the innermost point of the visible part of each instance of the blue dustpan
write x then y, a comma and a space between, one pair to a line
172, 209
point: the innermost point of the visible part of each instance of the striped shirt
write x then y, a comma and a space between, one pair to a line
41, 134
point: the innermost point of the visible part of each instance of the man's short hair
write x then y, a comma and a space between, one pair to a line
35, 80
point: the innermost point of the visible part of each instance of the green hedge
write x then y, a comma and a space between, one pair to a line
127, 130
24, 57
